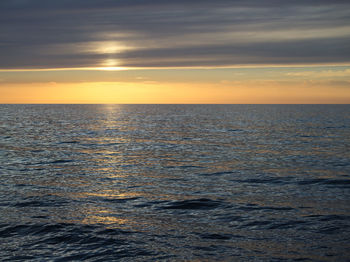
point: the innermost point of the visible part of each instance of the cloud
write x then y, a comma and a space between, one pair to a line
164, 33
323, 73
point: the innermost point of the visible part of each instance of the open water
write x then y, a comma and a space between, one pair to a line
175, 182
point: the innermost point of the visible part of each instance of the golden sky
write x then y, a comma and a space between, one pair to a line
239, 85
183, 51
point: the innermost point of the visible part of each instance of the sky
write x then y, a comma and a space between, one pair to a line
167, 51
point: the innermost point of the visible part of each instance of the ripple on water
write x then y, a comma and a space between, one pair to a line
328, 182
199, 204
73, 241
174, 183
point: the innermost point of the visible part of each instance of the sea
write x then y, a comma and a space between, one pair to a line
175, 182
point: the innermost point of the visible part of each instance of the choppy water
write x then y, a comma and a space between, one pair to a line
175, 182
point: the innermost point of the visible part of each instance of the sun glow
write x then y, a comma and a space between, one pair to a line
153, 92
111, 68
109, 48
110, 65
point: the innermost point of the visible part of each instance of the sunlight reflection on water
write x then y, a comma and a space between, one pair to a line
181, 182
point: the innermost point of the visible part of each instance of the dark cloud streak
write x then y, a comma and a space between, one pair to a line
172, 33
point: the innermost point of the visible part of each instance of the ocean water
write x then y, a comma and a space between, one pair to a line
175, 182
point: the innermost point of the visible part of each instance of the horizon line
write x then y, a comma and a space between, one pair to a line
252, 66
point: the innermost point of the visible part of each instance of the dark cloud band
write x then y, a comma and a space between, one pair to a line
160, 33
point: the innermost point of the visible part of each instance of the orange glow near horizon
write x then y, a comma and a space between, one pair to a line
236, 92
117, 85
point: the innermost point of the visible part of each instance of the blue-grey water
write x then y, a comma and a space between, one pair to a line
175, 182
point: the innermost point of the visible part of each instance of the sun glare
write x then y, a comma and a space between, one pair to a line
110, 65
109, 47
111, 68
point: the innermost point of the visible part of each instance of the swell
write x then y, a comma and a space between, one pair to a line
66, 242
331, 182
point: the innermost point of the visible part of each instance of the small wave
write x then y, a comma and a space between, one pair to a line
216, 236
69, 242
266, 180
336, 127
22, 258
230, 218
273, 224
335, 217
235, 130
60, 161
288, 224
119, 200
150, 203
30, 204
255, 224
329, 230
41, 202
252, 207
37, 150
69, 142
217, 173
62, 232
184, 167
329, 218
201, 203
322, 181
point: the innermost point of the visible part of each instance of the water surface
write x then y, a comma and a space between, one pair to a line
175, 182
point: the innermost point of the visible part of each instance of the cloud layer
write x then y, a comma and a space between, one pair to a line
182, 33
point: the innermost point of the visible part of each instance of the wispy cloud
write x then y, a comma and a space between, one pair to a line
323, 73
182, 33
